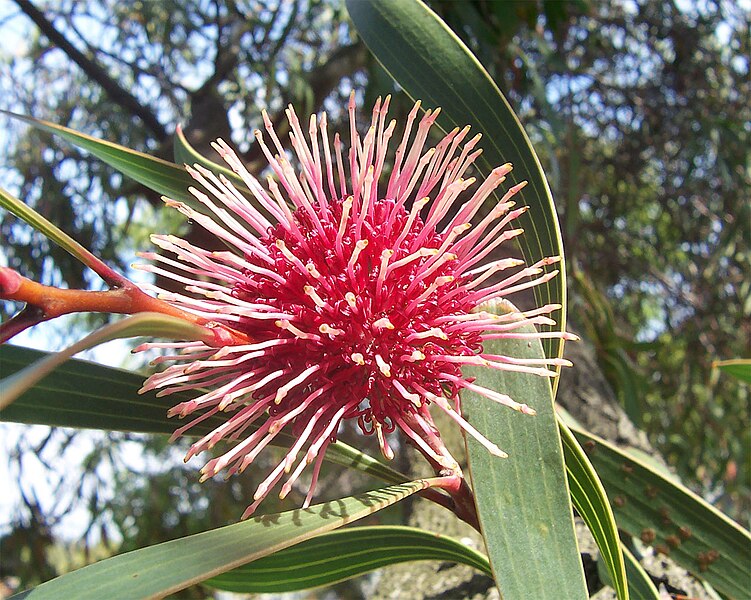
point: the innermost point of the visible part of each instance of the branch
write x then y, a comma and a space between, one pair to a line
116, 93
45, 302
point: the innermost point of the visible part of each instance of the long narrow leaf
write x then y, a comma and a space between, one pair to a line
639, 583
159, 175
523, 501
54, 233
592, 503
185, 154
151, 324
737, 367
157, 571
432, 64
334, 557
673, 519
87, 395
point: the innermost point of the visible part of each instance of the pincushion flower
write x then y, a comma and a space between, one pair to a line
360, 294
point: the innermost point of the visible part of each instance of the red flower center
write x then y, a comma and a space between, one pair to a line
382, 287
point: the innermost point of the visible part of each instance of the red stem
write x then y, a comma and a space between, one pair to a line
45, 302
462, 500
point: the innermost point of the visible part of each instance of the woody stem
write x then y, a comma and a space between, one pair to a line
46, 302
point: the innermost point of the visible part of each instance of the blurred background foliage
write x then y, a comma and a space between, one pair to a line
638, 109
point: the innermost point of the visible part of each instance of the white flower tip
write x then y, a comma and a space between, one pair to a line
448, 463
503, 170
192, 367
439, 333
496, 451
383, 366
527, 410
383, 323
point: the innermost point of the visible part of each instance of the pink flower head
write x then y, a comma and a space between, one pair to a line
361, 299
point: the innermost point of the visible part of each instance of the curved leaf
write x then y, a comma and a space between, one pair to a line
185, 154
157, 571
87, 395
523, 501
54, 233
432, 64
334, 557
676, 521
592, 504
737, 367
639, 583
159, 175
151, 324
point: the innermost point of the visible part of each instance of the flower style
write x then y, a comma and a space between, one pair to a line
357, 301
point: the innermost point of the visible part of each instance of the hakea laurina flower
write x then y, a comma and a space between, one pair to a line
360, 298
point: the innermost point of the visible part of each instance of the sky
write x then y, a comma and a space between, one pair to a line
38, 480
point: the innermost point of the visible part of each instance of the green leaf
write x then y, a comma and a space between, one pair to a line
661, 512
592, 504
87, 395
159, 175
738, 367
523, 500
334, 557
54, 233
151, 324
157, 571
185, 154
432, 64
639, 583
